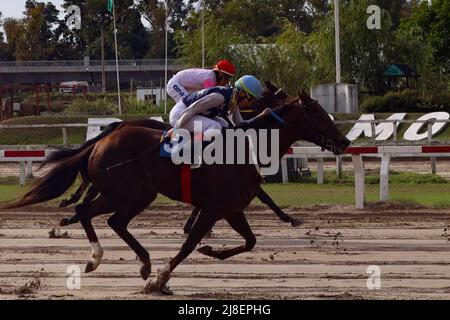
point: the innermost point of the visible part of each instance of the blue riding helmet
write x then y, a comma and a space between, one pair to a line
251, 85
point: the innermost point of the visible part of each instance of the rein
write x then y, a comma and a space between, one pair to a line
321, 134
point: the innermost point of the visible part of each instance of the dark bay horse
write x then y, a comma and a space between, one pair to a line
130, 189
272, 97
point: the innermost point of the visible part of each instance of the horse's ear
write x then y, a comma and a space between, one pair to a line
271, 86
303, 95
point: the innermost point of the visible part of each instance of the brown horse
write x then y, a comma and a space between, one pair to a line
129, 189
272, 96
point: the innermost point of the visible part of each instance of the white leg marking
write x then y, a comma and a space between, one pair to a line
97, 254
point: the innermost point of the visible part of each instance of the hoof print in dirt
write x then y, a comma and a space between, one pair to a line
56, 234
156, 288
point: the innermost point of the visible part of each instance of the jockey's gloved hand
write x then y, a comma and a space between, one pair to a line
167, 135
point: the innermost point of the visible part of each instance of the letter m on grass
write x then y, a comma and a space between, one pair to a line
110, 5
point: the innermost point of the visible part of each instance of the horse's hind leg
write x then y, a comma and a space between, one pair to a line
201, 226
90, 194
267, 200
240, 224
76, 196
85, 214
119, 222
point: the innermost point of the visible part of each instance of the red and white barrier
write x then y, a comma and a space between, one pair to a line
25, 159
357, 153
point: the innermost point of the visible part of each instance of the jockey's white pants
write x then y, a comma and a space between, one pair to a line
175, 90
207, 123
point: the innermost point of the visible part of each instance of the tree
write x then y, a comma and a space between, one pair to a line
4, 52
131, 36
32, 38
218, 42
154, 12
364, 53
431, 22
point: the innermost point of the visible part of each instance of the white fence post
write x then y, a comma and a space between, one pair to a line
22, 175
359, 180
29, 167
339, 166
433, 165
384, 177
319, 170
284, 171
64, 133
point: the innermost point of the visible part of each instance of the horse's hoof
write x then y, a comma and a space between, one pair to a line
296, 222
64, 222
89, 267
206, 250
146, 270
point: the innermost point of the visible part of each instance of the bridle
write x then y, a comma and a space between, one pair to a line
324, 141
304, 107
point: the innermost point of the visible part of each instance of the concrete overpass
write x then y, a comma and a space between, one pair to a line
36, 72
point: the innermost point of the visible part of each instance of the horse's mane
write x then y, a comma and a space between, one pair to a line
285, 106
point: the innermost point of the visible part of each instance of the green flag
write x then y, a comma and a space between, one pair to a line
110, 5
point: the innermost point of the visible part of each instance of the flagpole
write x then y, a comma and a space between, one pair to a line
203, 34
337, 39
117, 58
165, 69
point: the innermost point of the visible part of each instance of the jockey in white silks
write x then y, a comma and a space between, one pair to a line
191, 80
207, 105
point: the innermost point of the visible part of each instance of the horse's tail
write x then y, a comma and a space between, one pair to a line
65, 153
56, 182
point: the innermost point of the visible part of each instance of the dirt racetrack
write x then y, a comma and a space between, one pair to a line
327, 258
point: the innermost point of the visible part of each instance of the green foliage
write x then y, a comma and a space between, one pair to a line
408, 101
431, 21
364, 53
290, 42
218, 39
348, 179
132, 106
83, 106
403, 101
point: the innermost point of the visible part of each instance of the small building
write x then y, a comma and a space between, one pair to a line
154, 95
400, 76
337, 97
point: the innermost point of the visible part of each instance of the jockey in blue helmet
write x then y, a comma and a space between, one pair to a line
206, 105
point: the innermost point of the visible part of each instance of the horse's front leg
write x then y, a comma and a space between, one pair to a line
201, 226
240, 224
188, 226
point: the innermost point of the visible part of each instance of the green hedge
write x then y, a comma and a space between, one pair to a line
408, 101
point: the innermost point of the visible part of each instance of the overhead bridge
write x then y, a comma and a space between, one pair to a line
35, 72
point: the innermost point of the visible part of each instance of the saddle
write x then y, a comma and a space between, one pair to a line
168, 148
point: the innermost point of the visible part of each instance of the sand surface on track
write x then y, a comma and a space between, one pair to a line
326, 258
